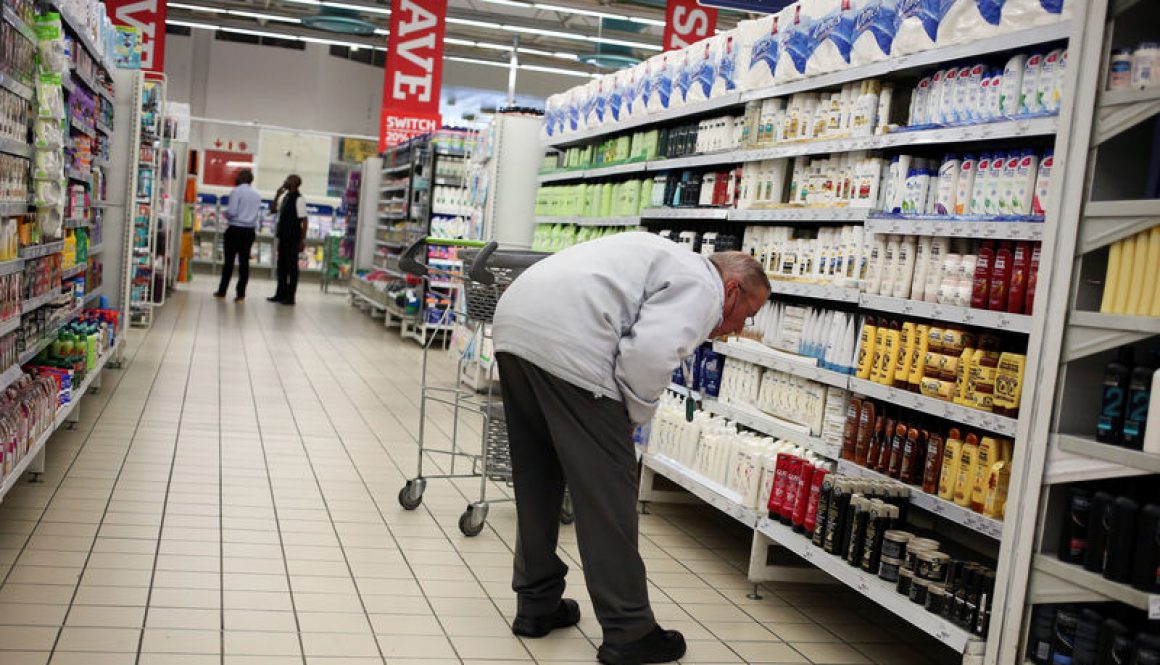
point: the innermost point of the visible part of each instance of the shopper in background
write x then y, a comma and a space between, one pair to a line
587, 340
291, 232
242, 215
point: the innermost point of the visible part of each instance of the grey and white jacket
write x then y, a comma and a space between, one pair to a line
614, 316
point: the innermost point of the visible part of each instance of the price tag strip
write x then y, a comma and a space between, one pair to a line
960, 414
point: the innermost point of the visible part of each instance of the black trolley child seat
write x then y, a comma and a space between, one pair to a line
487, 271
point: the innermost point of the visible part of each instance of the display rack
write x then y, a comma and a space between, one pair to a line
210, 234
1108, 199
146, 287
989, 538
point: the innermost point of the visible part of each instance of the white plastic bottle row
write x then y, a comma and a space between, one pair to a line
742, 462
1027, 85
792, 398
830, 254
1004, 184
826, 335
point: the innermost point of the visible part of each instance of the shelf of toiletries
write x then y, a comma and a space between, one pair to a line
851, 525
994, 131
984, 420
721, 498
563, 127
766, 424
798, 365
591, 221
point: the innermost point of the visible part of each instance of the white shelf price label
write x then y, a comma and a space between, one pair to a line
1153, 607
863, 585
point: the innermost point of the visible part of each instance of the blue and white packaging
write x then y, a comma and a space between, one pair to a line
700, 70
660, 76
920, 25
640, 89
831, 37
598, 104
574, 110
763, 39
1024, 14
729, 66
615, 111
682, 63
794, 48
875, 24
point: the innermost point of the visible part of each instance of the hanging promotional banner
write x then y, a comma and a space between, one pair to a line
414, 70
687, 22
751, 6
148, 16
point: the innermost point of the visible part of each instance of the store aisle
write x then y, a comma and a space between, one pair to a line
230, 497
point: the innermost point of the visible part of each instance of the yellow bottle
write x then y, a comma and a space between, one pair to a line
1124, 278
995, 500
908, 341
879, 348
1111, 278
989, 455
952, 451
866, 348
962, 375
1138, 285
890, 354
1008, 447
968, 466
1009, 384
918, 356
1151, 277
1154, 234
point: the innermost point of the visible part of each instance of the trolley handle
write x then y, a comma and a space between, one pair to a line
407, 261
479, 272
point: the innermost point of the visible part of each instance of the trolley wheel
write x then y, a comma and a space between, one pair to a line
411, 495
567, 515
472, 520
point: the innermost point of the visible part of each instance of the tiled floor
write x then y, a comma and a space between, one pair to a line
230, 498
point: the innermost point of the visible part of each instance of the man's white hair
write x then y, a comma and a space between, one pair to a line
743, 268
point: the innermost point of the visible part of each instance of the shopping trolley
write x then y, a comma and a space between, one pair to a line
487, 271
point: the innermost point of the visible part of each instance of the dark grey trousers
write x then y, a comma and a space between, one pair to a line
559, 434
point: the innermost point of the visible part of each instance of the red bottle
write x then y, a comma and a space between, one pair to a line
777, 496
811, 517
1020, 265
1000, 279
793, 481
984, 264
805, 484
1032, 278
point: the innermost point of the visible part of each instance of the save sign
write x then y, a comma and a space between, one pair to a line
687, 22
148, 16
414, 70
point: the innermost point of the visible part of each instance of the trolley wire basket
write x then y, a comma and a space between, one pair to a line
490, 271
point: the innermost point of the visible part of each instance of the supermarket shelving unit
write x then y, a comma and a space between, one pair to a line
1105, 194
265, 243
89, 215
145, 287
992, 539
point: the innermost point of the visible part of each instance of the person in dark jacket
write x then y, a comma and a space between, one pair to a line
291, 233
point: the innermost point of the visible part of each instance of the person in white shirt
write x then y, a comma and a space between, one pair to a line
242, 215
587, 340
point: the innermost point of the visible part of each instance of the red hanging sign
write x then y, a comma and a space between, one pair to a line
687, 22
148, 16
414, 70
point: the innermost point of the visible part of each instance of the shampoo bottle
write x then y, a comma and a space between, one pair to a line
1117, 376
952, 458
989, 455
1136, 415
968, 467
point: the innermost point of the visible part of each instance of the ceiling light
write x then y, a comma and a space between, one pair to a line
581, 12
556, 70
260, 17
331, 42
191, 24
511, 3
475, 61
457, 41
195, 8
494, 47
566, 55
258, 33
381, 31
370, 9
625, 42
304, 2
647, 21
473, 23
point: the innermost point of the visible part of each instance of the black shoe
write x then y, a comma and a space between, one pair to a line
287, 302
240, 299
659, 646
565, 616
274, 299
219, 295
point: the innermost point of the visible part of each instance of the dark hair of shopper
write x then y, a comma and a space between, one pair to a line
245, 177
